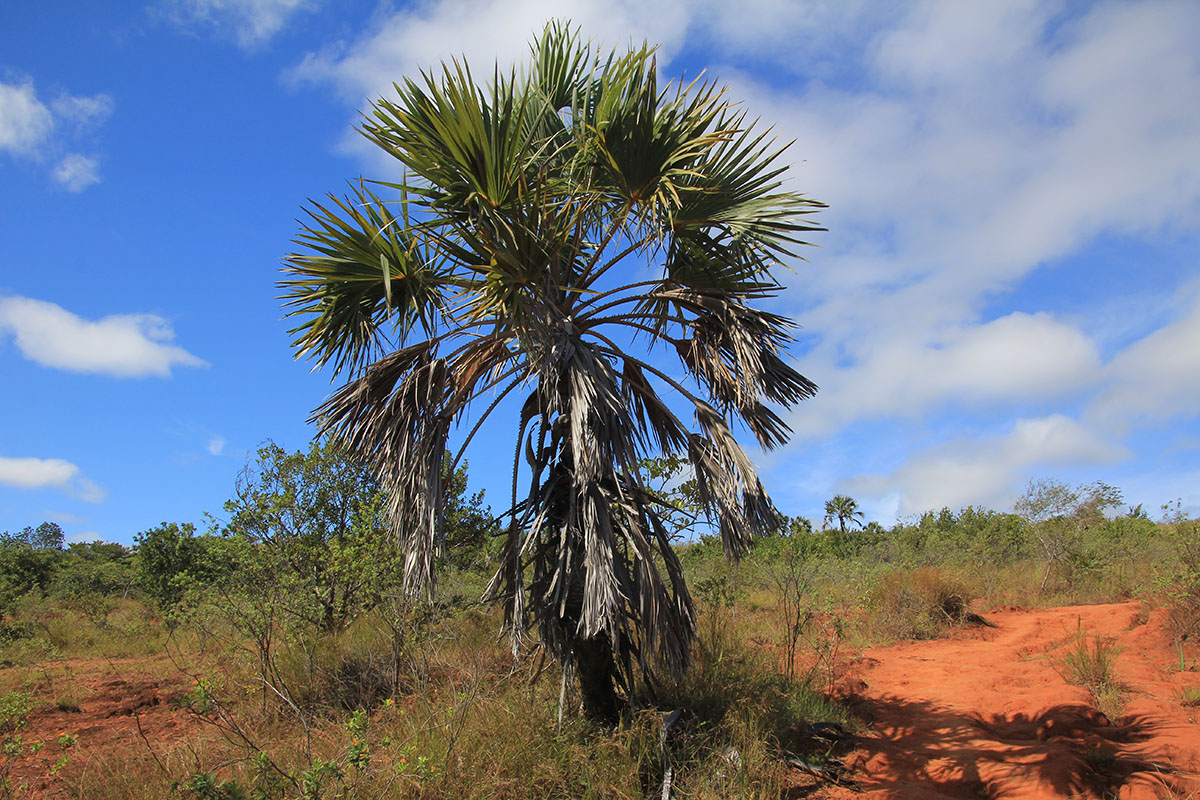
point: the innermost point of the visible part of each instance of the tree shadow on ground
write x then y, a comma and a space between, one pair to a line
1068, 750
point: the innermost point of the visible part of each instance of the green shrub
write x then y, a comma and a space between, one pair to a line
14, 710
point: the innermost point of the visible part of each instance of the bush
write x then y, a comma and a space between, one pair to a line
1181, 585
918, 604
171, 559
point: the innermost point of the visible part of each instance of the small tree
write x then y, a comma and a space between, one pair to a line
554, 226
47, 536
24, 569
1058, 514
313, 523
170, 559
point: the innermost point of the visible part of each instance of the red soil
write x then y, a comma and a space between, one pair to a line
117, 707
986, 714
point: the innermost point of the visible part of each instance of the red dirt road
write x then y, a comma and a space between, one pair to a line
986, 714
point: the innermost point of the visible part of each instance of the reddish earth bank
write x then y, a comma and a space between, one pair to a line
986, 713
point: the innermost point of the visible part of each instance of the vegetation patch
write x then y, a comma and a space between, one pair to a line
918, 604
1090, 662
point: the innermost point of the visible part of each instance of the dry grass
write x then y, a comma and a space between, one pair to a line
1090, 662
917, 604
467, 721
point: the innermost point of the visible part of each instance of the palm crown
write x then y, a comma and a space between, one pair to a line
489, 270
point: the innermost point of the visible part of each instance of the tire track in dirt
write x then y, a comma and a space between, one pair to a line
986, 714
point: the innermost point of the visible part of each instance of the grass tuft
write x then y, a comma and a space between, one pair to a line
1090, 662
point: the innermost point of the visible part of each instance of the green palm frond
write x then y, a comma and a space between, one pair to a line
363, 267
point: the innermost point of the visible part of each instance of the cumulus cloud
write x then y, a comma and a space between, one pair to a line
48, 473
120, 345
216, 445
64, 516
423, 35
981, 144
249, 22
1157, 377
24, 121
485, 32
30, 129
1016, 358
987, 471
76, 172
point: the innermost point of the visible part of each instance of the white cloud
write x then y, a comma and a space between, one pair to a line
486, 32
76, 172
424, 35
28, 129
64, 516
87, 490
120, 345
1157, 377
249, 22
84, 110
53, 473
1017, 358
24, 121
216, 445
983, 144
986, 472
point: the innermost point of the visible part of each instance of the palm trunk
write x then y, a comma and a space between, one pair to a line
597, 669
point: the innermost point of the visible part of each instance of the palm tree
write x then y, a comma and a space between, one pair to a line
844, 509
492, 269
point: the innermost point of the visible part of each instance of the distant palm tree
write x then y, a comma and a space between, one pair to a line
491, 270
844, 509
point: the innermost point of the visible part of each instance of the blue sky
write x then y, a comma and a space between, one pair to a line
1009, 288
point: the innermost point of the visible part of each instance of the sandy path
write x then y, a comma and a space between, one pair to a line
987, 715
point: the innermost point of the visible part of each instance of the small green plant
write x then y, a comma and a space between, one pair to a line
207, 786
315, 777
1190, 696
199, 700
14, 710
12, 746
67, 741
358, 752
1090, 662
